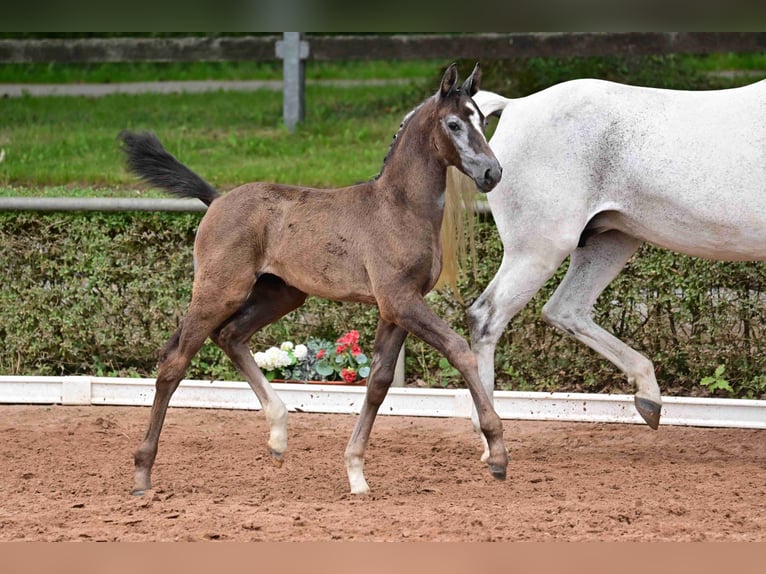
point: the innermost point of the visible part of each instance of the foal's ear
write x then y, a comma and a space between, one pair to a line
472, 82
449, 80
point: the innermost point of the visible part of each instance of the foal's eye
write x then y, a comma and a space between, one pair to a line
453, 126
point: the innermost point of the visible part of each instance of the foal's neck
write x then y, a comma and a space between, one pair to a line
413, 173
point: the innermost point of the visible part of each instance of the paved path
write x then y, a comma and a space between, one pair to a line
192, 86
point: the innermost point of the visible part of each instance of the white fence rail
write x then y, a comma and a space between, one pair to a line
510, 405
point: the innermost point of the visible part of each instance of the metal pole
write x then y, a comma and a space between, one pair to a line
293, 51
98, 204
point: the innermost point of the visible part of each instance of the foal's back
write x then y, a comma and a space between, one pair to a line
682, 169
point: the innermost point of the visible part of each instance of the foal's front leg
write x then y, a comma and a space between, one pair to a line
388, 341
413, 314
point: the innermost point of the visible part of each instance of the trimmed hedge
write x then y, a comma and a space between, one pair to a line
99, 293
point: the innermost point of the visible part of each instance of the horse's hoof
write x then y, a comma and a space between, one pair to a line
649, 411
138, 492
498, 472
277, 458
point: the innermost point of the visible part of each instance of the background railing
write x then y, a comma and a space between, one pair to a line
379, 47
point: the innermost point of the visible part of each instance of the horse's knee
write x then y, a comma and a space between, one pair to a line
479, 319
563, 318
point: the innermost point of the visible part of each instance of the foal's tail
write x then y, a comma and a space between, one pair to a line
149, 160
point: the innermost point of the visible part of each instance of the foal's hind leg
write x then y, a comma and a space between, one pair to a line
270, 299
208, 310
591, 269
177, 355
388, 341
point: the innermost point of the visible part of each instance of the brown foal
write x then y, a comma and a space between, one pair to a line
262, 248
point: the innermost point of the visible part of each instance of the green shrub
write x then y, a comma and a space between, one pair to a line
97, 293
517, 78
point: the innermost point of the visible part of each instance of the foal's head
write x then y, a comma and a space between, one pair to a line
460, 141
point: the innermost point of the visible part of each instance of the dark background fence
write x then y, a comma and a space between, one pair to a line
379, 47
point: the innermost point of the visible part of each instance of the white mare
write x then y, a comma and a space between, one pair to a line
591, 170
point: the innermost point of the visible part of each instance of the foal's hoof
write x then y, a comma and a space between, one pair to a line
498, 472
649, 410
277, 458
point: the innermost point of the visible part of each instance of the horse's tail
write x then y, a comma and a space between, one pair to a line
457, 231
490, 103
149, 160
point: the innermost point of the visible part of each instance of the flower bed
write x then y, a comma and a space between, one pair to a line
318, 360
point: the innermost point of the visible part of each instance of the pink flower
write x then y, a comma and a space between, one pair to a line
320, 353
349, 375
340, 348
356, 350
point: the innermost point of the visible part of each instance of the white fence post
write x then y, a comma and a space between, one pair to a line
293, 50
399, 370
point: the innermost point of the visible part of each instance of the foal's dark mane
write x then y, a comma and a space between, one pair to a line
395, 140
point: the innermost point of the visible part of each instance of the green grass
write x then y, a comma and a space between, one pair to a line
67, 146
730, 61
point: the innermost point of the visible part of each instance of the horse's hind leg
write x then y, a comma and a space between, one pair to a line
269, 300
591, 269
388, 341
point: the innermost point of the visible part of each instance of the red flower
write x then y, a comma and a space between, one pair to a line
356, 350
340, 348
350, 338
320, 353
349, 375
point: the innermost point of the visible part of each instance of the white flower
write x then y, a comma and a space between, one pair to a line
273, 358
300, 352
277, 358
286, 346
260, 359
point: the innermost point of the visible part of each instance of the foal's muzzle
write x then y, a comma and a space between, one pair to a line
491, 177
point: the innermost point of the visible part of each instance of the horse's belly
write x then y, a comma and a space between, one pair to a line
719, 238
